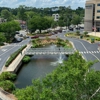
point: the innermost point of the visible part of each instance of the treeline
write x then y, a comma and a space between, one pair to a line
67, 15
36, 18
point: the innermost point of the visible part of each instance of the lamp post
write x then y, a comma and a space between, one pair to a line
94, 28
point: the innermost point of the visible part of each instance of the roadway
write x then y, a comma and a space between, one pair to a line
79, 45
90, 51
8, 49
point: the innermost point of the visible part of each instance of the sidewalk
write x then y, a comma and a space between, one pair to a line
95, 34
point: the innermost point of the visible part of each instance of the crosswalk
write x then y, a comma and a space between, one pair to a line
15, 45
89, 52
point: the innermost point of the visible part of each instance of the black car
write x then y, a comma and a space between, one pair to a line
71, 29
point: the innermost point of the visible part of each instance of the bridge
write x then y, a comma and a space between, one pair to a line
49, 51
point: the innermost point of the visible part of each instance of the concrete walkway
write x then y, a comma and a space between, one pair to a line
6, 96
94, 34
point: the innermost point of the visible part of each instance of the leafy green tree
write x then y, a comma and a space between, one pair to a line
2, 38
38, 22
54, 24
21, 13
76, 20
6, 15
9, 29
73, 80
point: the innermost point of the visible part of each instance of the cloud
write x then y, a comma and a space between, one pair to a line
42, 3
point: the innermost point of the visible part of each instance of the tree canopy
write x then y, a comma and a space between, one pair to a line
38, 22
73, 80
9, 28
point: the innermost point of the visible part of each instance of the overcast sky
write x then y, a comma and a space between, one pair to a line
42, 3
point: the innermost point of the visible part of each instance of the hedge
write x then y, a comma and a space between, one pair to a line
14, 55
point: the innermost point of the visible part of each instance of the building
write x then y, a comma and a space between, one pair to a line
92, 15
2, 20
22, 23
56, 17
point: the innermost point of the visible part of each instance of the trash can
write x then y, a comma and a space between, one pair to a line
81, 36
92, 40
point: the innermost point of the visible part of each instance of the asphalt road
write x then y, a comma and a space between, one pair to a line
7, 50
89, 51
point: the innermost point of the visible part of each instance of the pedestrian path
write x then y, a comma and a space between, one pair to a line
89, 52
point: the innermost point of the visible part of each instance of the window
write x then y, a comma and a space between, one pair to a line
98, 11
98, 17
98, 4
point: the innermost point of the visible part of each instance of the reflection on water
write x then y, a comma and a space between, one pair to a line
39, 66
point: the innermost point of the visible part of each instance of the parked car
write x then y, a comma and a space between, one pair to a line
35, 36
70, 28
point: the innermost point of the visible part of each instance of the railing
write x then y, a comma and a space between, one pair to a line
49, 51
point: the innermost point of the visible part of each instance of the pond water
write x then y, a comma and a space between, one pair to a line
38, 67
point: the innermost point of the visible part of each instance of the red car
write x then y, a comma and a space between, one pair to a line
33, 37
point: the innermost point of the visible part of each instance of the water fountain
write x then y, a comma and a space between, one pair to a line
60, 59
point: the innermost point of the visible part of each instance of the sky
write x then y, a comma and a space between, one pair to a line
42, 3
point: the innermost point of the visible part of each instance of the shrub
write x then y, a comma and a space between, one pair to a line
26, 59
47, 38
87, 38
7, 76
98, 39
78, 33
7, 85
85, 33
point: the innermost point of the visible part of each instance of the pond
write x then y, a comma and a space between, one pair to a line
38, 67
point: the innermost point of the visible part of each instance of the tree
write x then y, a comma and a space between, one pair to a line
38, 22
2, 38
73, 80
76, 20
54, 24
6, 15
21, 13
9, 29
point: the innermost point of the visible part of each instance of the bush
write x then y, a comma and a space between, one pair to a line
78, 33
87, 38
98, 39
7, 85
14, 55
7, 76
26, 59
85, 33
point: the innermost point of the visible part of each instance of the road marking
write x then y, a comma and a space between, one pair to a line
4, 50
87, 50
0, 59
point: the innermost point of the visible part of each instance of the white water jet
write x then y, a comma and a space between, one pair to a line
60, 59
